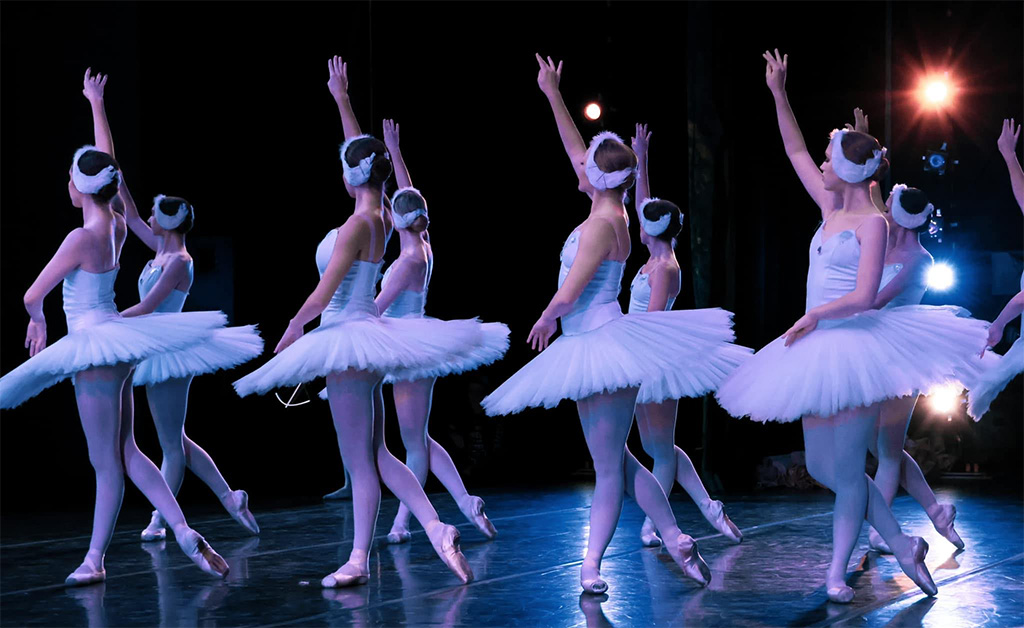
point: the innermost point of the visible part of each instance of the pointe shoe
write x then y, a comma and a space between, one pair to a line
343, 493
912, 564
86, 574
714, 512
877, 543
840, 595
649, 534
398, 535
943, 516
351, 577
473, 508
156, 530
684, 552
590, 579
237, 505
445, 539
200, 552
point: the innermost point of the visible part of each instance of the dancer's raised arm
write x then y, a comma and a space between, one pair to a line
338, 84
640, 142
548, 78
135, 222
796, 149
391, 140
92, 89
1007, 143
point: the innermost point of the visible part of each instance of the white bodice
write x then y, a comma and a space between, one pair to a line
599, 302
640, 293
174, 301
89, 298
355, 293
408, 303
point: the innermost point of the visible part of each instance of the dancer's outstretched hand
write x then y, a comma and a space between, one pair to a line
93, 84
541, 333
640, 141
860, 121
549, 75
995, 334
775, 71
338, 82
807, 323
293, 333
35, 338
391, 135
1008, 137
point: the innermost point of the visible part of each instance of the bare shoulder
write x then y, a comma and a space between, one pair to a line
872, 225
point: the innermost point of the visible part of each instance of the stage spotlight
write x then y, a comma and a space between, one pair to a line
940, 277
936, 91
592, 111
944, 399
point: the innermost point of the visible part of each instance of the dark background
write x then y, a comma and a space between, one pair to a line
226, 104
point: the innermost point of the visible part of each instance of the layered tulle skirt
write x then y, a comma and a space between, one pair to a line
409, 348
854, 362
668, 355
110, 341
225, 348
986, 385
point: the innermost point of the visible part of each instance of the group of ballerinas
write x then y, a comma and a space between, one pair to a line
851, 368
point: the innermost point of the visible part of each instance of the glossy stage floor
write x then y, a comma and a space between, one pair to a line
528, 576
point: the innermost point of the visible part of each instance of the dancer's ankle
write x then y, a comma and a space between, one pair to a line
359, 558
95, 557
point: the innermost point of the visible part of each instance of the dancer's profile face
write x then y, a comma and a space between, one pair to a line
76, 196
888, 213
832, 182
348, 188
155, 226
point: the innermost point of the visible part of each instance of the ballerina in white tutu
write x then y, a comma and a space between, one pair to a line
354, 348
403, 295
907, 213
603, 356
163, 287
654, 289
100, 350
835, 364
993, 380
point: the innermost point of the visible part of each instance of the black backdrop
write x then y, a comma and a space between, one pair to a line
226, 105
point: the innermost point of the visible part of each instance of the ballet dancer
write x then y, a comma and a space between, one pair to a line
603, 356
832, 368
654, 289
100, 351
354, 348
403, 294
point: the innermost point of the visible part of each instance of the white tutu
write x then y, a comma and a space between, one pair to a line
854, 362
224, 349
492, 343
380, 345
674, 354
990, 382
108, 342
